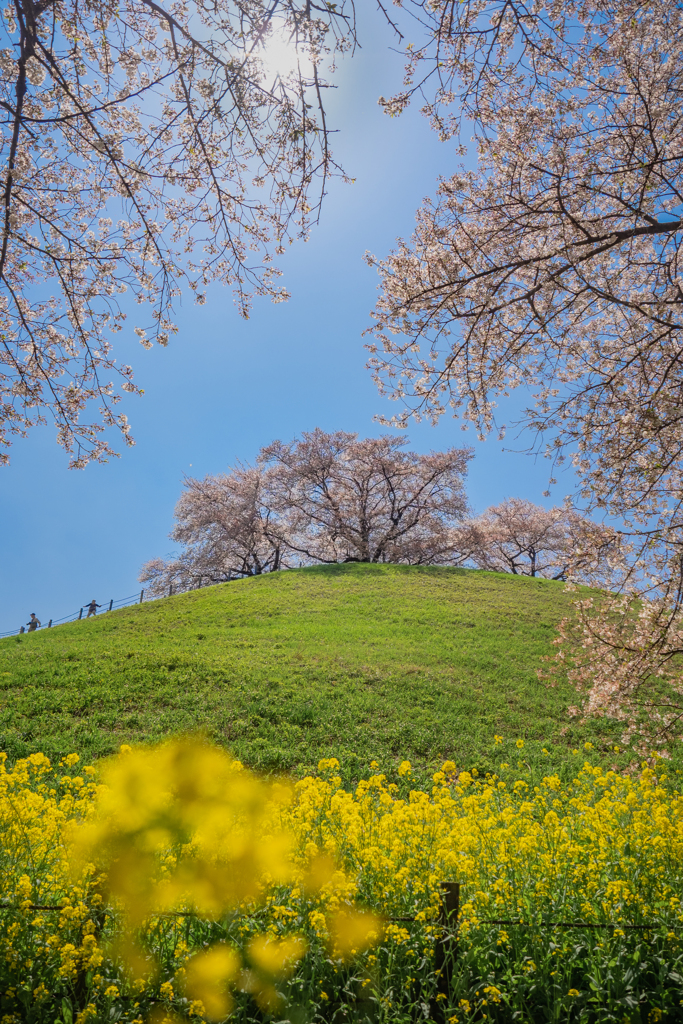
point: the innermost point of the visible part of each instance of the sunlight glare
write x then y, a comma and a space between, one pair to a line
280, 57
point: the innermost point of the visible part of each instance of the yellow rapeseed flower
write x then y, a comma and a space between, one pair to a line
353, 931
208, 976
206, 836
276, 958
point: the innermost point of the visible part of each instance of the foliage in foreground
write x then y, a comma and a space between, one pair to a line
182, 161
182, 849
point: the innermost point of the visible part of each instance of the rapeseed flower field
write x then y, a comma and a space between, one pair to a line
171, 884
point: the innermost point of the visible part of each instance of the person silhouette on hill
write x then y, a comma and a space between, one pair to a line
33, 622
92, 608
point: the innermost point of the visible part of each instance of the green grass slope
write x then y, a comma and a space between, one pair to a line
359, 662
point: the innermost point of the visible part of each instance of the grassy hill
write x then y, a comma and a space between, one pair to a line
359, 662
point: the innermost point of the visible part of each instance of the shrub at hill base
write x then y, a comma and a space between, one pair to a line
175, 885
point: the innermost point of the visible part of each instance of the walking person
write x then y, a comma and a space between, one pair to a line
92, 608
33, 623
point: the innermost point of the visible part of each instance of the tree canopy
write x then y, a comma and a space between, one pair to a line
528, 540
326, 497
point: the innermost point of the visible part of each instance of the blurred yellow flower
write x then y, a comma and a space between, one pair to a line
320, 871
353, 931
208, 976
189, 793
276, 957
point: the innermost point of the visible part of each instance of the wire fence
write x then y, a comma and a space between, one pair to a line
82, 613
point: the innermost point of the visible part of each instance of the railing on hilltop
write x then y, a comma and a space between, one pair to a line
137, 598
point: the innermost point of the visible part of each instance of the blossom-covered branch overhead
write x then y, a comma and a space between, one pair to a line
555, 266
145, 148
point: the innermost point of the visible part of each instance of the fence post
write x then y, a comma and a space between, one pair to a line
49, 625
450, 907
80, 614
142, 594
111, 604
445, 948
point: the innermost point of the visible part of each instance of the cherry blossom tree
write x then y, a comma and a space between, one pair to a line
228, 530
146, 148
324, 498
529, 540
623, 655
555, 266
369, 500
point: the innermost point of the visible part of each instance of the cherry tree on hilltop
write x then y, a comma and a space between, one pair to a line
228, 530
529, 540
555, 265
369, 500
145, 147
324, 498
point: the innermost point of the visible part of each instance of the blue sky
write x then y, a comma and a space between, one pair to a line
225, 386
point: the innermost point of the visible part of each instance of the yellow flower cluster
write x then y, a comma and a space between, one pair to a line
99, 872
183, 826
604, 848
183, 823
48, 917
